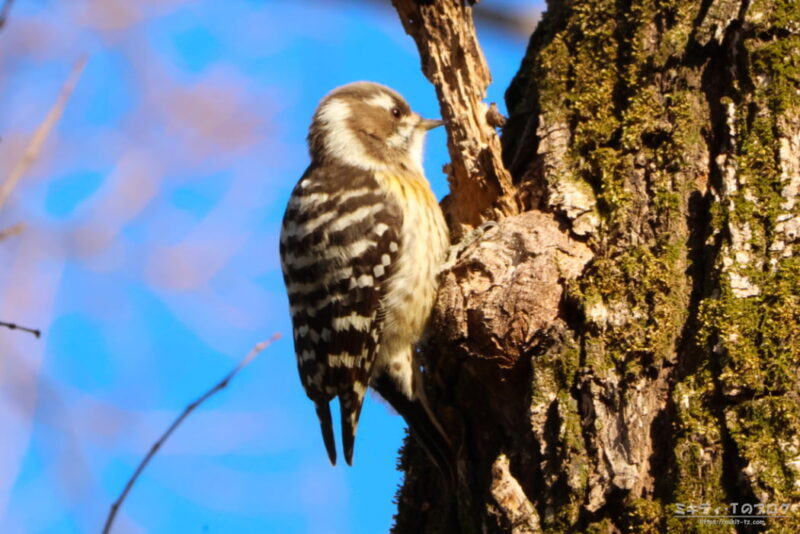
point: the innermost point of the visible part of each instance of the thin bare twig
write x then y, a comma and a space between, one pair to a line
11, 231
189, 409
41, 133
4, 12
12, 326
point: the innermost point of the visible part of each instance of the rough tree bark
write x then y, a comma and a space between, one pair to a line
628, 345
480, 185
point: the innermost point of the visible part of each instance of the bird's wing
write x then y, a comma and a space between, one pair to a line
339, 243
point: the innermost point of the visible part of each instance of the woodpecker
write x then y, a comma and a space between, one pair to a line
361, 244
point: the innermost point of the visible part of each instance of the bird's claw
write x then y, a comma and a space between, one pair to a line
455, 250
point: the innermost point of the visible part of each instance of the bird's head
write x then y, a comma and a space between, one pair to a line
370, 126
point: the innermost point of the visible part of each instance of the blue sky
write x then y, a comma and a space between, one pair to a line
149, 260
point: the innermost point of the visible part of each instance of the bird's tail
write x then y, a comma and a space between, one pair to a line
422, 424
350, 403
324, 415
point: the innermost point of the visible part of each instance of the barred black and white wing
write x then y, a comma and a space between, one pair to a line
339, 243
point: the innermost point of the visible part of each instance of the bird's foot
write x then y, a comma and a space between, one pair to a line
455, 250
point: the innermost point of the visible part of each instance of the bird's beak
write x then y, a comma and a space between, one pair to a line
429, 124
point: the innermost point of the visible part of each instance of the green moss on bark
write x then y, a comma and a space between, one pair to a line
675, 112
751, 326
637, 302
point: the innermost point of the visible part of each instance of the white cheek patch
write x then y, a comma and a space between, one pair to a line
335, 113
340, 142
415, 148
407, 127
397, 140
402, 138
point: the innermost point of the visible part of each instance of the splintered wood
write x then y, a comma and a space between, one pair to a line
481, 187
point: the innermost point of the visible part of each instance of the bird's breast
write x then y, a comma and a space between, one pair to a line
424, 241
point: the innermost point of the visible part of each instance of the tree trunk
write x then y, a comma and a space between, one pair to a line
624, 352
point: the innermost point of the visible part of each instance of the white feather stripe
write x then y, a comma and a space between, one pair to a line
383, 100
289, 229
328, 299
338, 274
299, 261
292, 229
312, 224
345, 252
301, 288
360, 388
353, 250
314, 198
354, 320
304, 288
365, 280
360, 192
344, 220
342, 359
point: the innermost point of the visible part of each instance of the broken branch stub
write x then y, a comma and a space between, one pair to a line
481, 187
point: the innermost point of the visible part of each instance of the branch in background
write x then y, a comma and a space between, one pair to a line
189, 409
11, 231
481, 187
516, 22
13, 326
39, 137
4, 12
520, 22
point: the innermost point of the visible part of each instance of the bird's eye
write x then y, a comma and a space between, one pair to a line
396, 113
